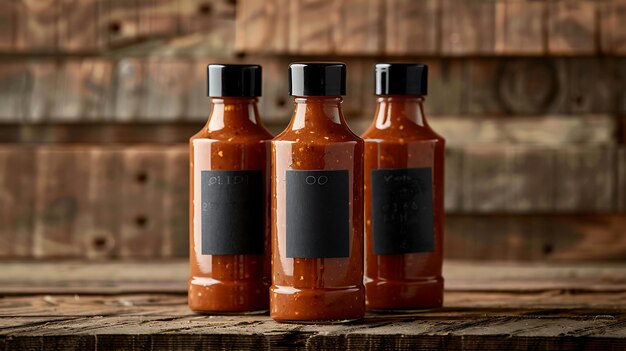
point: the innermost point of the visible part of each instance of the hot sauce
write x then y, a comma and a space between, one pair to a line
404, 161
317, 223
229, 215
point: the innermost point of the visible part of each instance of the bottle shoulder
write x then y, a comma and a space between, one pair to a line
401, 133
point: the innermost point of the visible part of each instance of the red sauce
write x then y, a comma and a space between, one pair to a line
399, 138
317, 289
233, 139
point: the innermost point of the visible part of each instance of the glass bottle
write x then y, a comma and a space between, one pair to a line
229, 192
317, 223
404, 165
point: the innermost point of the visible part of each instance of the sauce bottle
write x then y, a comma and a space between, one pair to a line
404, 160
317, 223
229, 192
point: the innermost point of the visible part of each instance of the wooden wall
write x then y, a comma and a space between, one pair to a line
97, 99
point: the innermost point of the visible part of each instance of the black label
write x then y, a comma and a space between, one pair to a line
232, 212
318, 214
402, 211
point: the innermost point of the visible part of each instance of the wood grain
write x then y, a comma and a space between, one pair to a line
311, 26
61, 184
118, 22
572, 27
360, 28
520, 27
534, 237
621, 179
262, 26
17, 200
158, 18
84, 91
412, 27
14, 84
208, 29
467, 27
78, 26
176, 204
37, 29
102, 235
613, 34
143, 194
130, 79
585, 179
167, 80
8, 24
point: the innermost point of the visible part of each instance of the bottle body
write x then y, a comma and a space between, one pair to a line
317, 227
229, 217
404, 175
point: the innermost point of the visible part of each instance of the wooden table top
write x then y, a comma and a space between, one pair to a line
142, 306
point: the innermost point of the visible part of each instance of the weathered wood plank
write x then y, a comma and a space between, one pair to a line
621, 179
532, 87
275, 106
453, 182
166, 81
37, 29
572, 27
586, 178
208, 28
43, 80
447, 87
590, 85
482, 98
118, 22
130, 79
104, 195
8, 24
612, 31
176, 204
143, 195
412, 27
520, 27
60, 202
311, 26
84, 91
262, 26
467, 27
536, 237
17, 201
548, 130
78, 26
359, 30
158, 18
14, 79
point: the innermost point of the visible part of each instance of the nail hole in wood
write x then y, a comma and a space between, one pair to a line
205, 9
547, 249
100, 242
115, 27
281, 102
142, 177
141, 221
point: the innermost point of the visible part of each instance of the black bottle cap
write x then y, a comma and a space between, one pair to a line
234, 80
317, 79
401, 79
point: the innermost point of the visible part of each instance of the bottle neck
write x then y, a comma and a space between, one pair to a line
317, 112
393, 110
233, 112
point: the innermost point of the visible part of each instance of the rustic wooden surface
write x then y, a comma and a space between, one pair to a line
173, 89
124, 305
347, 27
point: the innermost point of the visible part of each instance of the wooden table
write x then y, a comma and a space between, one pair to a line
142, 306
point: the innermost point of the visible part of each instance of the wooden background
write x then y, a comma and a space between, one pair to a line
98, 98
